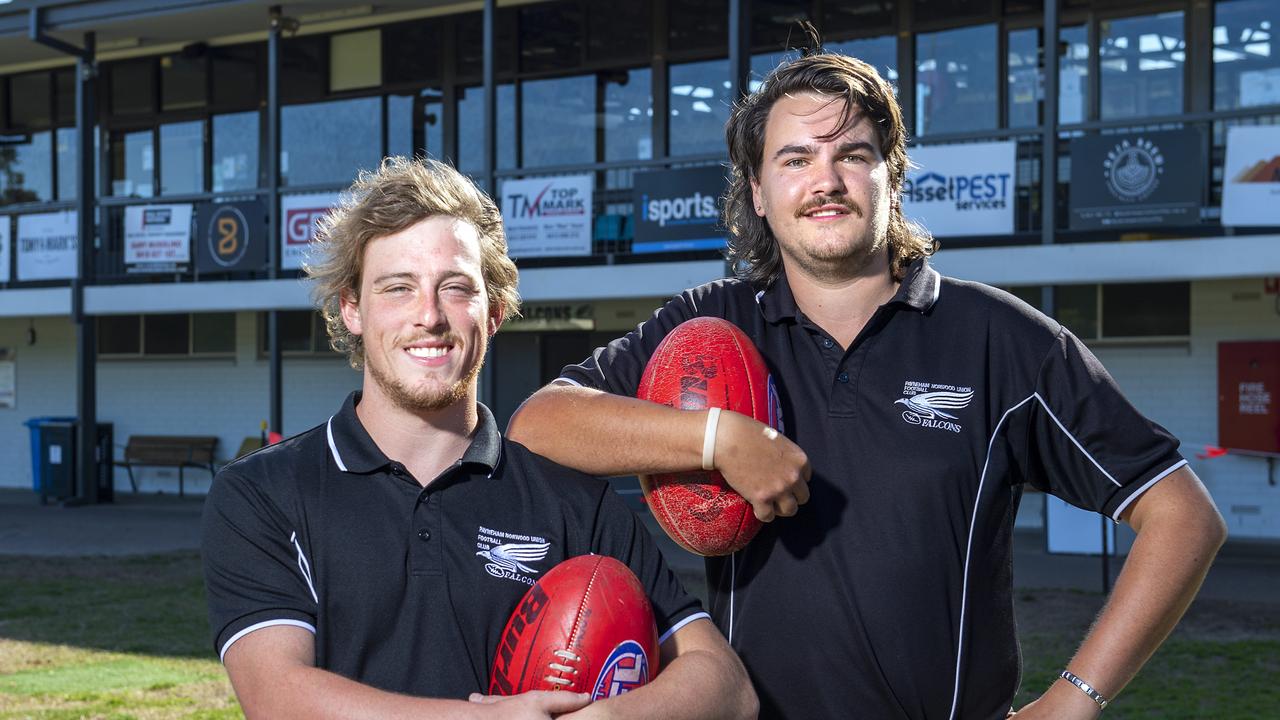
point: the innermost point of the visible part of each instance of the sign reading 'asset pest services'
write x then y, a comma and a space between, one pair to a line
548, 216
955, 190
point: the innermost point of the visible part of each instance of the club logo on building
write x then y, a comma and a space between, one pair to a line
930, 405
300, 224
1133, 169
227, 236
626, 669
511, 555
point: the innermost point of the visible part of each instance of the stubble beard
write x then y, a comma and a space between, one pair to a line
827, 264
429, 398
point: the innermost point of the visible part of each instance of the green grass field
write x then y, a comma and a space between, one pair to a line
127, 638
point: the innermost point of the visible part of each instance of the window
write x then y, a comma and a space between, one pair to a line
64, 85
302, 332
304, 68
881, 52
235, 151
411, 52
840, 18
471, 128
132, 163
66, 144
558, 121
171, 335
1142, 61
551, 36
699, 101
628, 115
1073, 75
329, 142
956, 80
182, 158
235, 75
619, 31
1246, 56
182, 80
468, 42
26, 172
775, 24
403, 111
1119, 310
133, 88
30, 102
355, 60
698, 25
951, 8
1025, 73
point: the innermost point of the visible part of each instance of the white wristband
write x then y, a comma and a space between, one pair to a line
709, 439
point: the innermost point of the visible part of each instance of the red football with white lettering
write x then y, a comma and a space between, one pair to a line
586, 626
703, 363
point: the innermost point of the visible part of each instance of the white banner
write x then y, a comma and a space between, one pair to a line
1251, 176
159, 234
300, 214
965, 189
5, 254
47, 246
547, 217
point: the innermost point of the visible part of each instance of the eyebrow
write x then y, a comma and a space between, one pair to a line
810, 150
394, 276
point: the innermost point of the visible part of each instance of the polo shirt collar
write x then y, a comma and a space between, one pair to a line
919, 290
354, 451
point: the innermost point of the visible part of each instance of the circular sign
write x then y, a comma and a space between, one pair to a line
227, 236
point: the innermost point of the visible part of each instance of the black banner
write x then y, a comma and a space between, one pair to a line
231, 236
678, 209
1136, 179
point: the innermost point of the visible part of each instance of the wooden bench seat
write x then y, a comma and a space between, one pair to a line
177, 451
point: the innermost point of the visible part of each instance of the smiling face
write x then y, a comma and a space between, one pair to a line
423, 315
823, 191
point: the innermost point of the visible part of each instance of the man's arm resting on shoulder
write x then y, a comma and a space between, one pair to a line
273, 673
1179, 533
600, 433
701, 677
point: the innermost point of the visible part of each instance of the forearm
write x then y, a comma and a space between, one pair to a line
314, 694
1164, 571
697, 684
604, 434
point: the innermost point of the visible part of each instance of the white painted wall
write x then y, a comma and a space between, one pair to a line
223, 397
1178, 387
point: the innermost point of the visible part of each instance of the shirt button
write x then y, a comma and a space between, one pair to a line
843, 377
826, 342
424, 534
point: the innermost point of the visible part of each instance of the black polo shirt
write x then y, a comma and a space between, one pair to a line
407, 588
889, 594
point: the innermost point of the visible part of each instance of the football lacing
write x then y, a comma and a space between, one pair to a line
567, 656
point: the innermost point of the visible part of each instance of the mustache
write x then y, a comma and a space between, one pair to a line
818, 202
448, 338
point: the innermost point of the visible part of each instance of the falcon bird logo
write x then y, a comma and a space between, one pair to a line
511, 558
932, 405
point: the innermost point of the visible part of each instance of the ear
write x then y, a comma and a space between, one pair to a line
757, 198
350, 305
497, 313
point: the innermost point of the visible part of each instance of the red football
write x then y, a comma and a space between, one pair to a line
706, 362
586, 626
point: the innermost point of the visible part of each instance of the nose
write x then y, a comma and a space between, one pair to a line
826, 179
431, 313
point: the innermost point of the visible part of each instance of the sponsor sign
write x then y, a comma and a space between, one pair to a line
47, 246
1136, 179
1251, 176
5, 254
955, 190
552, 316
298, 215
231, 236
678, 210
547, 217
157, 236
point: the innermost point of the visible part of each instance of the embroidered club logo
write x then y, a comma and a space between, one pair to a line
626, 669
508, 559
932, 405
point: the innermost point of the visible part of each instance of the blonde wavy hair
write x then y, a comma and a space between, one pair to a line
400, 194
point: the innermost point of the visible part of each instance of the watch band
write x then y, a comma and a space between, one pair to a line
1085, 688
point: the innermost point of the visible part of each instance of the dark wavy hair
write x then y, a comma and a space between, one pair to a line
752, 246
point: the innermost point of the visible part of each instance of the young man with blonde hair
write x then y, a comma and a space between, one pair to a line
352, 571
915, 409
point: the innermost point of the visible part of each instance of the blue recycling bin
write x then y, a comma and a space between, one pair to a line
35, 424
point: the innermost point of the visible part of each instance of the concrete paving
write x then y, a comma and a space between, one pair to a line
146, 524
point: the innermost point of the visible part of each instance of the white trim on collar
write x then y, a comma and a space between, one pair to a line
334, 448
